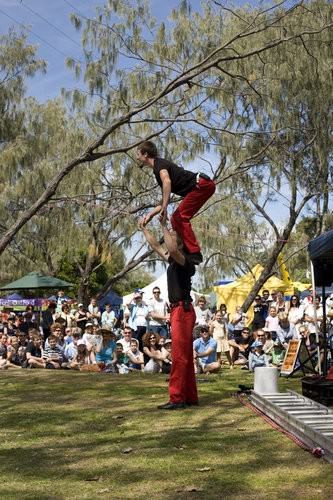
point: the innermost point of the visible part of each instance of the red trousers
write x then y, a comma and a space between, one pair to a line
187, 208
182, 384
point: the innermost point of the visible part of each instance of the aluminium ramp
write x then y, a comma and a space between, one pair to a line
310, 421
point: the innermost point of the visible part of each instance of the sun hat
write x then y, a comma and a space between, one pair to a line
105, 328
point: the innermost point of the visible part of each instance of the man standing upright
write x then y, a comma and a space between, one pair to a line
182, 385
195, 189
158, 314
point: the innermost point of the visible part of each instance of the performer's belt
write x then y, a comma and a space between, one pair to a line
202, 176
185, 303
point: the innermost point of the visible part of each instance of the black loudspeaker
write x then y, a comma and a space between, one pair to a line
323, 272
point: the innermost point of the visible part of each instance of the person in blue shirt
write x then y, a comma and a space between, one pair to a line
257, 356
106, 350
204, 353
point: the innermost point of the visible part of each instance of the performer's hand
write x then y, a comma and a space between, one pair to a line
144, 221
163, 216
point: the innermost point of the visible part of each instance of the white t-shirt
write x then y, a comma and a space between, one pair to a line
91, 339
203, 316
141, 316
108, 318
159, 307
309, 311
126, 344
272, 323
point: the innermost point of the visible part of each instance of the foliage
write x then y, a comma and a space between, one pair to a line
17, 62
245, 92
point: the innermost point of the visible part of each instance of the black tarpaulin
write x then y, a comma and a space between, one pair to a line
321, 254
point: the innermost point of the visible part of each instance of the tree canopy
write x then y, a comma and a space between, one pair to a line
244, 95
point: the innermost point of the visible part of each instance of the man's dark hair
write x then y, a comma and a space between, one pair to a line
149, 148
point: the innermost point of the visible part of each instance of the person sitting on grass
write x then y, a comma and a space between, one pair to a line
240, 348
91, 336
166, 356
11, 328
151, 352
57, 330
135, 357
106, 350
84, 358
121, 359
3, 349
70, 350
10, 357
126, 338
68, 335
264, 336
53, 354
257, 356
204, 353
23, 339
34, 352
13, 358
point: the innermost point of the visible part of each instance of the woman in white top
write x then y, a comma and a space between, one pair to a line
295, 311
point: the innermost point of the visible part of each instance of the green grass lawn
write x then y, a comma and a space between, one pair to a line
88, 435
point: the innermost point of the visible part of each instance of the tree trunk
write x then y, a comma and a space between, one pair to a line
277, 248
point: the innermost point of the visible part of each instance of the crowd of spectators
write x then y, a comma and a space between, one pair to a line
72, 336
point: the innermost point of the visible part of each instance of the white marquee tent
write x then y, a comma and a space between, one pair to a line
161, 283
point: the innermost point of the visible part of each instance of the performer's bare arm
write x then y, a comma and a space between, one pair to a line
152, 214
172, 244
166, 191
162, 208
153, 243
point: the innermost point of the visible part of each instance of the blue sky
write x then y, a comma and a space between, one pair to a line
53, 33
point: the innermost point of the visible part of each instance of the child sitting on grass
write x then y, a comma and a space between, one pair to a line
257, 357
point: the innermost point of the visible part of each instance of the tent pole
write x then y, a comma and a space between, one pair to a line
315, 315
324, 331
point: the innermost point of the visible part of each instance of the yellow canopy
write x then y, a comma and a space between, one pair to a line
234, 294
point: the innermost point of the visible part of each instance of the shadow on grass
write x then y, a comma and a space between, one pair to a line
71, 430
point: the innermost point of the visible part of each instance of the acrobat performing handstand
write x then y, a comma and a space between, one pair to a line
195, 189
182, 384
